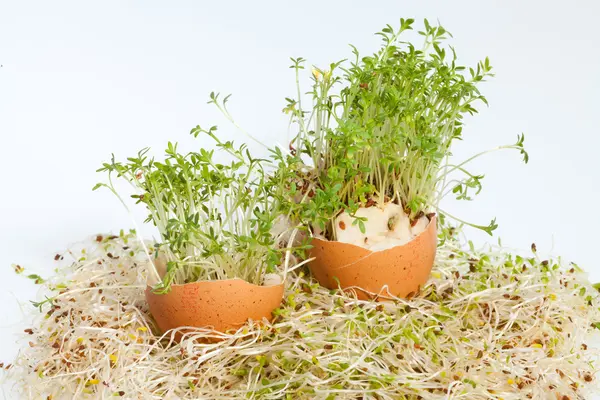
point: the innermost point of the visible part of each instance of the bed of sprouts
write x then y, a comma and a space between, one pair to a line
489, 325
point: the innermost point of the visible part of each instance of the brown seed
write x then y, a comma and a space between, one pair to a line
306, 288
29, 331
57, 257
99, 238
588, 378
480, 354
533, 247
342, 225
328, 347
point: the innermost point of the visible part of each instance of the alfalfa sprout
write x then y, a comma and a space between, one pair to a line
490, 324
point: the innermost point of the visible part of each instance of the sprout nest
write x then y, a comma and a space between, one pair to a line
489, 325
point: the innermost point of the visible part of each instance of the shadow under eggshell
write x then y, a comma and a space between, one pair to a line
404, 269
220, 305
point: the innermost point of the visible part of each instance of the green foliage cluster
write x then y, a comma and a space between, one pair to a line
214, 219
381, 130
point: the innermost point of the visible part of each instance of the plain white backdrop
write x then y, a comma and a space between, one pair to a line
81, 80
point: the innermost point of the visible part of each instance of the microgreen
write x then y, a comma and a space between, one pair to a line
214, 219
381, 129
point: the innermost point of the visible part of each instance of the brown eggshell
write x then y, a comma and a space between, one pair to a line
220, 305
404, 269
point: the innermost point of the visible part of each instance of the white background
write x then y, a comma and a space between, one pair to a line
79, 81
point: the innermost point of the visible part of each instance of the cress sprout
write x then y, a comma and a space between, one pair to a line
380, 131
214, 219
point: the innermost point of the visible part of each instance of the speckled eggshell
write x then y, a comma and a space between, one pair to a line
404, 269
220, 305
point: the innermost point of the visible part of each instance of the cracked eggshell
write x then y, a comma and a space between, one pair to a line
404, 269
219, 305
347, 232
402, 226
420, 226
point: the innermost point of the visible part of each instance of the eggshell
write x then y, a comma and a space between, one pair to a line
376, 221
402, 227
220, 305
420, 226
404, 269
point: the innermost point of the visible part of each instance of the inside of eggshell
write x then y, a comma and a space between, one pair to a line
385, 228
272, 279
